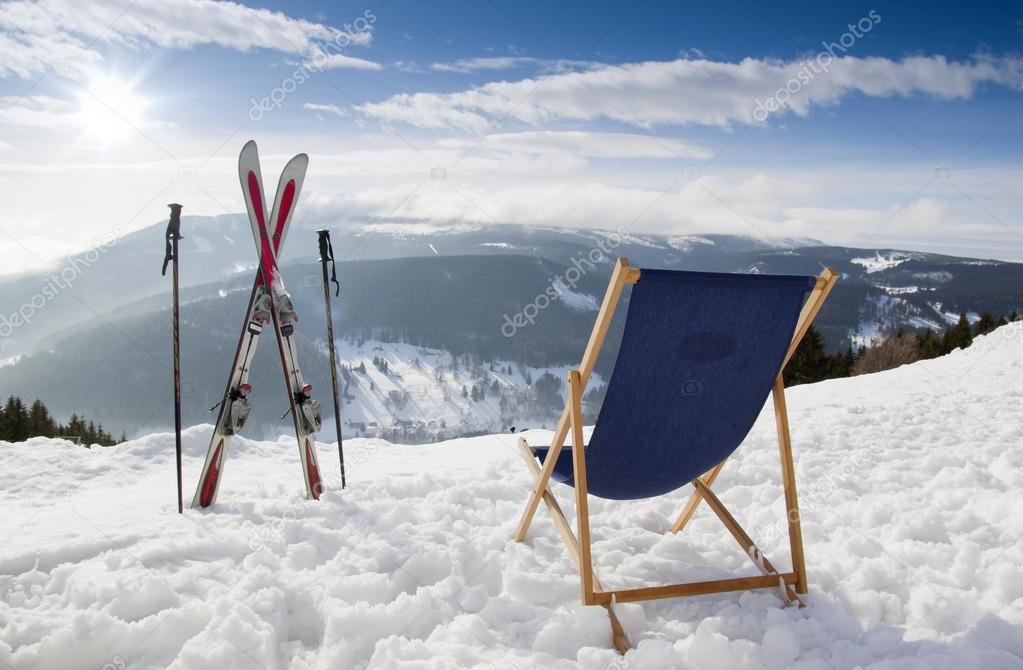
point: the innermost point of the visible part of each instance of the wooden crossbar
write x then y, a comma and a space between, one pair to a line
695, 588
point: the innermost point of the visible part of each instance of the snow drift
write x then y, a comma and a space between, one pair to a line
910, 484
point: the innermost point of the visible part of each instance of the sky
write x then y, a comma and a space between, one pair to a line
895, 124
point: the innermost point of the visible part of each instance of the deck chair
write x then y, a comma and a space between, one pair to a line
699, 355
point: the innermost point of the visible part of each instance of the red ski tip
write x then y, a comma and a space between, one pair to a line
245, 388
315, 485
209, 485
307, 389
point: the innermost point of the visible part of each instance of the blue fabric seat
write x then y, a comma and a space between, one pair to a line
698, 357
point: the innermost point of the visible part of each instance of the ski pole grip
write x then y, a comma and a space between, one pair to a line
173, 233
324, 240
327, 256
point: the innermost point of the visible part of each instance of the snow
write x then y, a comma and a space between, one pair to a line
406, 230
10, 360
881, 262
938, 276
689, 242
580, 302
424, 386
951, 317
241, 267
898, 290
910, 486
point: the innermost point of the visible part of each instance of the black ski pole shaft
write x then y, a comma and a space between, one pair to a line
327, 256
171, 255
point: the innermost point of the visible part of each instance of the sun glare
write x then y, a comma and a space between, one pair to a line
110, 109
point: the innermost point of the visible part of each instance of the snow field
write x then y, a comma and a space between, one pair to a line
910, 486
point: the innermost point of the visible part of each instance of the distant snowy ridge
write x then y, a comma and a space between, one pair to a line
883, 262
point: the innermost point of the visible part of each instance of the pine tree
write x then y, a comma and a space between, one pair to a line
809, 363
928, 345
957, 337
39, 420
16, 421
985, 325
841, 364
74, 428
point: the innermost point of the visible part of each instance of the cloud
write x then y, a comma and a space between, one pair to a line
499, 63
36, 111
318, 107
801, 203
701, 92
581, 143
63, 33
341, 61
465, 65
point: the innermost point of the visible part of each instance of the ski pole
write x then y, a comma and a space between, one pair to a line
327, 256
171, 255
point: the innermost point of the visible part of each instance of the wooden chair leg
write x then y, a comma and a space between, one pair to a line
622, 274
788, 477
582, 506
618, 636
694, 500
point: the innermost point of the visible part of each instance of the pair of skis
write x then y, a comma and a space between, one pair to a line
269, 305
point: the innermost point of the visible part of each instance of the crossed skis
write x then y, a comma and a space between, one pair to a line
269, 304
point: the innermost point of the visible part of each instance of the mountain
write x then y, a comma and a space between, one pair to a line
437, 303
447, 313
126, 268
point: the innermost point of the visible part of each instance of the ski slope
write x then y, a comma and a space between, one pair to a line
911, 484
422, 388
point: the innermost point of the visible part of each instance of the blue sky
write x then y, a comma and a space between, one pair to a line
650, 116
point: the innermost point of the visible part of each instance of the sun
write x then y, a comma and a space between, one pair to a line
110, 109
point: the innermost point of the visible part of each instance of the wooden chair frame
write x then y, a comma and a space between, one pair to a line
792, 583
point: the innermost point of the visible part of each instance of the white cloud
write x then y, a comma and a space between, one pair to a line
341, 61
806, 204
332, 109
62, 33
581, 143
37, 111
704, 92
465, 65
499, 63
